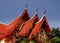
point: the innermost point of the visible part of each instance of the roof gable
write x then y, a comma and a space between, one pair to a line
38, 25
28, 25
15, 23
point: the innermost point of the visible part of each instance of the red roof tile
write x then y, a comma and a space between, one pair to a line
28, 26
9, 29
37, 27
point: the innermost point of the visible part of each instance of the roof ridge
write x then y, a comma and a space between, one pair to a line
3, 23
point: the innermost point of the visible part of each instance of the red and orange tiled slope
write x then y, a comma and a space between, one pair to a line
5, 30
20, 19
2, 28
37, 27
28, 26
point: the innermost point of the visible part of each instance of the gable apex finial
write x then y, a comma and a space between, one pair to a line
26, 4
36, 12
44, 13
44, 10
36, 9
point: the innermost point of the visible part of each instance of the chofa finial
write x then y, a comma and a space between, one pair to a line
44, 10
44, 13
36, 9
26, 4
36, 12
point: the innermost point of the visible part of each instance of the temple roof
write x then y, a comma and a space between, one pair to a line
19, 18
6, 30
38, 26
31, 26
28, 25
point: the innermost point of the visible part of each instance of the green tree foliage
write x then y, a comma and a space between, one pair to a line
56, 32
55, 35
55, 40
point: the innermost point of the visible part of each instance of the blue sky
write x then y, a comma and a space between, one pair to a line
10, 9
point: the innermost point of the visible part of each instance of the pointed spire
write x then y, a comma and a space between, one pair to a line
26, 5
36, 12
44, 14
44, 11
36, 9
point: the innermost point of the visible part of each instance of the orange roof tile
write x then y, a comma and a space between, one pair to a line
28, 26
2, 28
6, 31
37, 27
20, 19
